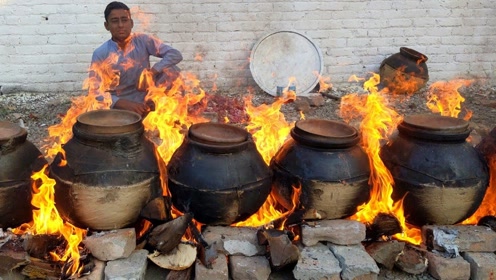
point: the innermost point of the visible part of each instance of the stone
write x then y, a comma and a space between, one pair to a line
355, 262
249, 268
234, 240
448, 268
219, 270
282, 252
412, 261
111, 245
132, 267
459, 238
98, 271
385, 253
482, 265
317, 262
340, 232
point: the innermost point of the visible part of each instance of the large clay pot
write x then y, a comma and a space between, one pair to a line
19, 159
404, 72
442, 178
111, 171
218, 175
323, 158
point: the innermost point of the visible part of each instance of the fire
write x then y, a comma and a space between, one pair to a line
378, 121
488, 205
46, 220
268, 212
443, 98
268, 125
324, 82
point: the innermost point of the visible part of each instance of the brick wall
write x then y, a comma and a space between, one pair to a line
46, 45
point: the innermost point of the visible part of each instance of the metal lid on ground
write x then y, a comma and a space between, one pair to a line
281, 56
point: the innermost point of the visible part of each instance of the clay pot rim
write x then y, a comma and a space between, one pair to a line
108, 121
413, 54
10, 131
217, 134
434, 127
321, 133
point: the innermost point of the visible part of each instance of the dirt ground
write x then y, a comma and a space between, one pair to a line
38, 111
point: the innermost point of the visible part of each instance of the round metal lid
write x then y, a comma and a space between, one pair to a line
217, 133
284, 55
110, 121
8, 130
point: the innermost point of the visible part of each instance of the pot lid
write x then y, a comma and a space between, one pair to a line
109, 121
435, 127
436, 123
283, 55
217, 133
8, 130
325, 133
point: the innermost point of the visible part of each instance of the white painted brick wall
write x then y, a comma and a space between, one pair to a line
46, 45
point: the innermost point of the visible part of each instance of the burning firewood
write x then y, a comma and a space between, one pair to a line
165, 237
40, 245
488, 221
383, 225
180, 258
40, 269
157, 210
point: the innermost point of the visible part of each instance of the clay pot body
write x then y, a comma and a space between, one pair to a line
111, 172
324, 159
404, 72
218, 175
442, 178
19, 158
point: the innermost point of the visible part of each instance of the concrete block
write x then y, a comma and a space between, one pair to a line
341, 232
448, 268
355, 261
317, 262
133, 267
234, 240
249, 268
482, 265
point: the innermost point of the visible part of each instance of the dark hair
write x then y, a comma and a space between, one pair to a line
114, 6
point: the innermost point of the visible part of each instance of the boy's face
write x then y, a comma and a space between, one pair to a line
120, 24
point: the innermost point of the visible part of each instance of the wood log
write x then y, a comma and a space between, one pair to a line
165, 237
12, 255
40, 245
41, 269
383, 225
181, 257
282, 252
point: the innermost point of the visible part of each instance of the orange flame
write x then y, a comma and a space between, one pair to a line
46, 220
444, 98
268, 212
488, 205
324, 82
268, 125
378, 121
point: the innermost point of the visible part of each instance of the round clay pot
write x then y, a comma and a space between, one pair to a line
19, 159
404, 72
442, 178
111, 171
323, 158
218, 175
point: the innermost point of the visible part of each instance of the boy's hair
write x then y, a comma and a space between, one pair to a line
114, 6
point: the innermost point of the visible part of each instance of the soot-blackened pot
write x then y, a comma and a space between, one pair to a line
19, 159
218, 175
323, 158
109, 171
442, 178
